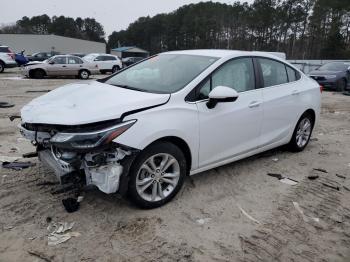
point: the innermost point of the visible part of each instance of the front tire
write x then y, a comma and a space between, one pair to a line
302, 133
115, 69
157, 175
38, 74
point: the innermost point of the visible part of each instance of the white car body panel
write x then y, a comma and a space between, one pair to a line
257, 121
77, 104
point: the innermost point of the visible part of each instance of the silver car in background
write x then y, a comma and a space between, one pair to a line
61, 65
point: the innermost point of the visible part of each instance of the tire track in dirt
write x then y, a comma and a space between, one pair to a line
291, 238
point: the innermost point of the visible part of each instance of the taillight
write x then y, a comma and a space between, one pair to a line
321, 89
12, 55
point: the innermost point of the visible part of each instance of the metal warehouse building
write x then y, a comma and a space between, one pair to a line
46, 43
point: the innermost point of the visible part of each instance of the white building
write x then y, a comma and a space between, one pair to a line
32, 43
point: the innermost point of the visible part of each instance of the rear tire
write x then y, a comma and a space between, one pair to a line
302, 133
2, 66
156, 175
84, 74
341, 85
115, 69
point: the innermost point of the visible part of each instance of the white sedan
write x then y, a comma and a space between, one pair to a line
144, 129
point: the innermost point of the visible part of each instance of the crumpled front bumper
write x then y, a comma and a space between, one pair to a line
105, 176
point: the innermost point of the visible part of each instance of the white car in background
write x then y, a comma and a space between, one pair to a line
144, 129
106, 63
7, 58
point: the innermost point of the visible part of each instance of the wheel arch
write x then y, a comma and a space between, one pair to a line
181, 144
36, 69
312, 113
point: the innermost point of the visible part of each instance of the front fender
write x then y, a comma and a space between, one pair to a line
164, 121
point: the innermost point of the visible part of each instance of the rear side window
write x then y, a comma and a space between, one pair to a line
74, 60
109, 58
274, 73
292, 74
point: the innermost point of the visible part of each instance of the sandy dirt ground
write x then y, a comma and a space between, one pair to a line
232, 213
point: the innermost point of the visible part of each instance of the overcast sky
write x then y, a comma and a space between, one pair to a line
112, 14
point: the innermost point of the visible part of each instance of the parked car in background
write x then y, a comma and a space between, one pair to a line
106, 63
81, 55
333, 75
7, 58
143, 129
60, 65
41, 56
131, 60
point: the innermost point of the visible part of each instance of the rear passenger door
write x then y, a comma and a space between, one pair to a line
281, 99
74, 65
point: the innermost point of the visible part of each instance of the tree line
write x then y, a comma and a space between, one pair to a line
303, 29
87, 28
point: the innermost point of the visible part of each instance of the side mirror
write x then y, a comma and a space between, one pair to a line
221, 94
52, 62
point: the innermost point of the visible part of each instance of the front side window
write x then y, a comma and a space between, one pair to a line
237, 74
60, 60
166, 73
274, 73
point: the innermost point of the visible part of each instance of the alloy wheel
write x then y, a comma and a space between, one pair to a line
303, 132
157, 177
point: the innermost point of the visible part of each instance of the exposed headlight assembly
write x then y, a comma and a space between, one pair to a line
90, 140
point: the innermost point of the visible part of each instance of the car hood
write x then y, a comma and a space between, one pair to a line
85, 103
323, 73
35, 63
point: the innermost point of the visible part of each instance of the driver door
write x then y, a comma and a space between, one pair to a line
231, 128
59, 66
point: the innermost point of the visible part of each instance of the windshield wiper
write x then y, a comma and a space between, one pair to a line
129, 87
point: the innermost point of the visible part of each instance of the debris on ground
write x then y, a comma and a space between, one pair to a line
13, 117
340, 176
331, 186
313, 177
323, 153
321, 170
314, 139
38, 91
71, 204
59, 233
247, 215
275, 159
17, 165
283, 179
30, 155
6, 105
203, 221
305, 218
47, 183
41, 255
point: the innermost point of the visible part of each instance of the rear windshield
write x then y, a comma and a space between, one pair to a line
166, 73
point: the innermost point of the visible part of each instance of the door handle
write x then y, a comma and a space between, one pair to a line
64, 66
254, 104
295, 92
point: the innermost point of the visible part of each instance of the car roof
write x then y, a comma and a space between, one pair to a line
221, 53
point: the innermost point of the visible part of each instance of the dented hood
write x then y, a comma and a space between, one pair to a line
85, 103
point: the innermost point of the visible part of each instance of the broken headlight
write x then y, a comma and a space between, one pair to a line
90, 140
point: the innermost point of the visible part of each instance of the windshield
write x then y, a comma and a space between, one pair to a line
335, 67
165, 73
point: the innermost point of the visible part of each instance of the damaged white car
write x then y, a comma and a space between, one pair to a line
143, 129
